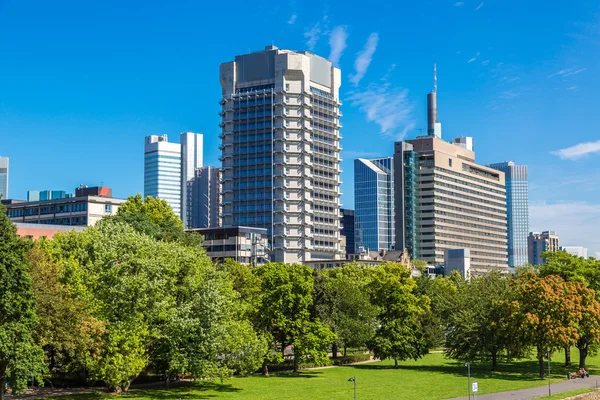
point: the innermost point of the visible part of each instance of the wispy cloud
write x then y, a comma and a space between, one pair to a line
567, 72
292, 19
572, 87
388, 107
575, 222
486, 62
509, 80
471, 60
313, 34
459, 4
509, 94
337, 41
578, 151
478, 7
364, 57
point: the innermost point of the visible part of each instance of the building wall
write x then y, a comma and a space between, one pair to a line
348, 230
4, 178
243, 244
517, 208
191, 159
374, 204
458, 260
460, 204
577, 251
204, 199
162, 170
281, 151
36, 231
539, 243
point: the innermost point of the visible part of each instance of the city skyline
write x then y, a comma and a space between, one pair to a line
95, 91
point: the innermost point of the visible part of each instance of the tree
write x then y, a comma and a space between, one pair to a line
588, 325
478, 327
545, 310
342, 302
154, 217
67, 331
399, 335
284, 312
20, 357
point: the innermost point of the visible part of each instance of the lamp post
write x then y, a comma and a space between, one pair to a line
353, 379
468, 365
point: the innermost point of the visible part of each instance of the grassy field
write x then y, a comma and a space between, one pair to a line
432, 377
565, 395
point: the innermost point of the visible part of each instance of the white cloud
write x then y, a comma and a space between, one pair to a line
486, 62
576, 223
292, 19
459, 4
567, 72
478, 7
388, 107
471, 60
516, 78
364, 57
509, 94
578, 151
572, 87
313, 34
337, 41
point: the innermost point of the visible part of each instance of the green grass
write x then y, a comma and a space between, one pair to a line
570, 393
432, 377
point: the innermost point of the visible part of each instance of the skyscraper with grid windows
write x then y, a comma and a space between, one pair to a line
280, 151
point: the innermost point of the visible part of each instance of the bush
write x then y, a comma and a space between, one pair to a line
353, 358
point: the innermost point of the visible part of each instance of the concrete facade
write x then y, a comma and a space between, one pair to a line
192, 145
577, 251
204, 199
162, 170
4, 178
281, 151
458, 260
539, 243
240, 243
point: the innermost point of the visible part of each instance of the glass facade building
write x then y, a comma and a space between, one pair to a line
4, 177
348, 229
204, 199
162, 170
517, 211
374, 204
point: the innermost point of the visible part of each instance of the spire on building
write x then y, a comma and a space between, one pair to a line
434, 127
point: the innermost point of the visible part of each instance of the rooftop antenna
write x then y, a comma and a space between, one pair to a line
434, 79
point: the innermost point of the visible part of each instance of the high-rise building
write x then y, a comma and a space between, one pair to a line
281, 151
204, 199
374, 204
162, 170
444, 200
3, 177
517, 211
348, 230
577, 251
539, 243
191, 159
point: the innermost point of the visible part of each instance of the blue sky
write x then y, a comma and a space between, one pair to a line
82, 83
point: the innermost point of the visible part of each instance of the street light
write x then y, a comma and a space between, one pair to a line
353, 379
468, 365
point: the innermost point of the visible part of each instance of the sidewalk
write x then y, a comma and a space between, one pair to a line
541, 391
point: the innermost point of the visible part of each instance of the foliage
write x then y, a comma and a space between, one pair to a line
399, 335
441, 292
20, 356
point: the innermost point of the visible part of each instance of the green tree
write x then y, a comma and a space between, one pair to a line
478, 327
545, 311
284, 312
342, 302
20, 356
399, 335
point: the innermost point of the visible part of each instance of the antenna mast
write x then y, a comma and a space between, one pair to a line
434, 79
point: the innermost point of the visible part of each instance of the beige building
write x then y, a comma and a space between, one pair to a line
538, 243
445, 201
240, 243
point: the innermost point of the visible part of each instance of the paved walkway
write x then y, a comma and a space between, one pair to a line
541, 391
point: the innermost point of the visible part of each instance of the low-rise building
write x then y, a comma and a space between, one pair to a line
240, 243
538, 243
577, 251
37, 231
460, 260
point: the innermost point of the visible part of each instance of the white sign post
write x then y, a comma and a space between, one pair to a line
474, 389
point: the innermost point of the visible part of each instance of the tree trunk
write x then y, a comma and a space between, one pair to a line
345, 350
395, 363
265, 368
126, 388
2, 380
296, 369
494, 361
567, 356
541, 362
334, 350
583, 352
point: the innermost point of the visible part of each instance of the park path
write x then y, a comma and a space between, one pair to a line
541, 391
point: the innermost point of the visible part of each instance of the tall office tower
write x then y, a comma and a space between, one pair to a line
281, 151
4, 178
191, 159
374, 204
162, 170
577, 251
445, 201
348, 230
517, 211
434, 127
539, 243
204, 199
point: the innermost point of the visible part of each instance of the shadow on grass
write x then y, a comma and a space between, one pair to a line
185, 390
298, 375
527, 370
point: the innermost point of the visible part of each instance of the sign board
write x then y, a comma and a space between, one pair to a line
474, 386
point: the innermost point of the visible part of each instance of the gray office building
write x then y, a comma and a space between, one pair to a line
517, 211
204, 199
281, 151
4, 177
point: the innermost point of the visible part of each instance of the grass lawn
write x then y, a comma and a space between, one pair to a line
432, 377
570, 393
